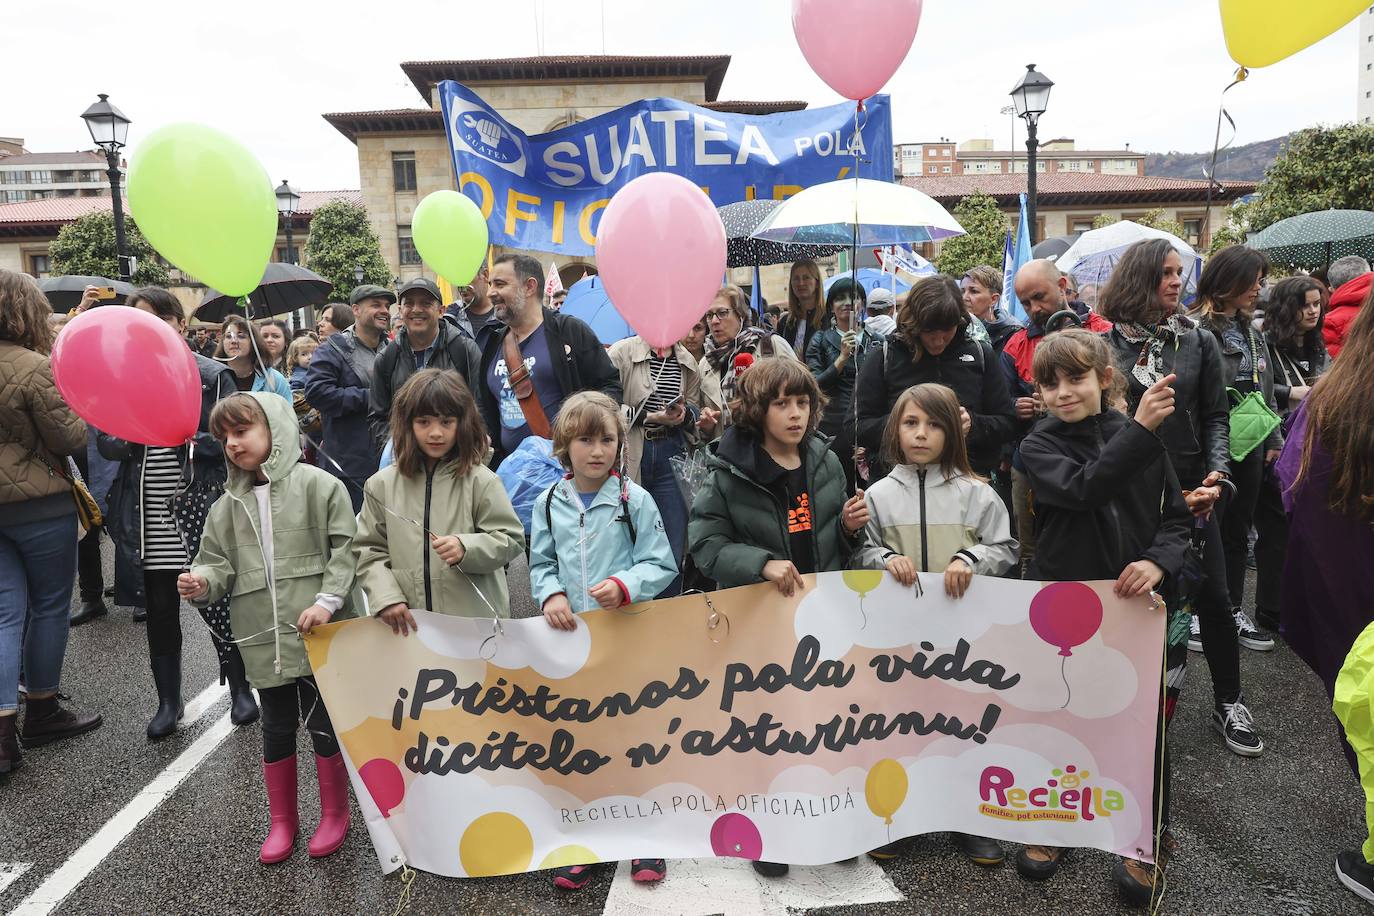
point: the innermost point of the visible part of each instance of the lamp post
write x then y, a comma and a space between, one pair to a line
110, 130
1031, 97
358, 273
287, 201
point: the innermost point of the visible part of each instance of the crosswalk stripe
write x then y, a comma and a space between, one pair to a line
11, 872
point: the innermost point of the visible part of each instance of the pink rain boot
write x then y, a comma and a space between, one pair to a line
329, 836
280, 778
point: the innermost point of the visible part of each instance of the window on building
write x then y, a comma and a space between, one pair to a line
930, 169
403, 171
945, 169
43, 177
1192, 231
40, 265
290, 255
1080, 224
16, 196
406, 244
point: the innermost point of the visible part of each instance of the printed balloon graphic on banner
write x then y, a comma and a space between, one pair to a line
384, 783
569, 855
735, 835
861, 582
450, 235
1066, 614
496, 844
855, 45
886, 789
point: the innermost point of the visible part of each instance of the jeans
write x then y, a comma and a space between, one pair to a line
656, 476
37, 572
279, 720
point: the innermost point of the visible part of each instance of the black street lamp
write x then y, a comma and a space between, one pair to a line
287, 202
358, 273
110, 129
1031, 97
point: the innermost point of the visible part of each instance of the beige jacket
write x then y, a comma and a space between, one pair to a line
631, 359
33, 420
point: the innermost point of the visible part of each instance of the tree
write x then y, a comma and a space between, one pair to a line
985, 235
1234, 230
340, 238
1321, 168
1155, 219
87, 247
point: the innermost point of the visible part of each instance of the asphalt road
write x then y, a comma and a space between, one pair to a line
1257, 836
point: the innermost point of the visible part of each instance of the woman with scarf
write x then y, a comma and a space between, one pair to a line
732, 346
807, 309
1150, 339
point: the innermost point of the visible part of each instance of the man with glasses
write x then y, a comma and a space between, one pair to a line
423, 341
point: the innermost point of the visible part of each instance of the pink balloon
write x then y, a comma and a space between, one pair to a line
661, 252
855, 45
384, 783
129, 374
735, 835
1066, 614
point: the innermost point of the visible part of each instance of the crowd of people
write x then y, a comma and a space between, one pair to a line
1130, 438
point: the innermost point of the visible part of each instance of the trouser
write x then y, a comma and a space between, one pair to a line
280, 718
1271, 522
657, 477
1213, 608
842, 444
90, 573
1235, 524
37, 569
164, 611
1025, 521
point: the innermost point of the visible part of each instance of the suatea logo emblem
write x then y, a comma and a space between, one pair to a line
479, 132
1066, 795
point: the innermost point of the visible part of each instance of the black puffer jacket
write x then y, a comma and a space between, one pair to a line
1104, 497
968, 367
1197, 434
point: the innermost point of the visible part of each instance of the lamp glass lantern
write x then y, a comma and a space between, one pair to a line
287, 199
108, 126
1032, 94
358, 272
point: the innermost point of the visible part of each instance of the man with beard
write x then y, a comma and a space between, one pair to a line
475, 317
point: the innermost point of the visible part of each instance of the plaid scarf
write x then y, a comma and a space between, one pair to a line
1149, 368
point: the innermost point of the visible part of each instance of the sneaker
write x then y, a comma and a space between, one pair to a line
1194, 634
647, 871
1234, 722
572, 877
771, 869
1356, 874
1250, 636
979, 849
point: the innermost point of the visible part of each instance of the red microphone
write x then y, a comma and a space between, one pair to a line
743, 361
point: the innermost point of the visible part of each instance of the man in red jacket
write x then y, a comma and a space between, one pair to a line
1346, 299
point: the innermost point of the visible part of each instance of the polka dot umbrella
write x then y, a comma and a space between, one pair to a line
742, 218
1316, 239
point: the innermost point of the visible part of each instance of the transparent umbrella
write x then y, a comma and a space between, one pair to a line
1093, 258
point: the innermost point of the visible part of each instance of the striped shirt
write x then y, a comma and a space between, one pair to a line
162, 546
666, 375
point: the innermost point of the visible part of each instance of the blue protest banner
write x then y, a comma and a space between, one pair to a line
546, 192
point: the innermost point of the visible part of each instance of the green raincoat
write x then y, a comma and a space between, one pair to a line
1354, 707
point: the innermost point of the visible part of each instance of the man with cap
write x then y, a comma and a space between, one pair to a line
880, 322
337, 386
475, 318
423, 341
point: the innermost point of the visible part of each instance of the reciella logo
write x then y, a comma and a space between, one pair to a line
1065, 795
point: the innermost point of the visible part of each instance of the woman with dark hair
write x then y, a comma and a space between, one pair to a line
834, 357
1226, 295
241, 346
930, 345
732, 344
38, 527
806, 306
276, 337
1150, 338
158, 505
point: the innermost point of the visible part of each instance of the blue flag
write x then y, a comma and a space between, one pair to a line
1013, 257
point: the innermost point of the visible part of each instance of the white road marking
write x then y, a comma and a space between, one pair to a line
699, 887
202, 702
85, 860
11, 872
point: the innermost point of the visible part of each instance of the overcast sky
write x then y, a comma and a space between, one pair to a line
1147, 74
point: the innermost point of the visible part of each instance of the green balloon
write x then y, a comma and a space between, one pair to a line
450, 235
206, 204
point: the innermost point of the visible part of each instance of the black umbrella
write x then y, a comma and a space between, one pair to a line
1053, 248
284, 288
741, 219
65, 292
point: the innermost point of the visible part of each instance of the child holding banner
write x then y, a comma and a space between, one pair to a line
596, 540
452, 562
773, 508
933, 514
280, 543
1108, 505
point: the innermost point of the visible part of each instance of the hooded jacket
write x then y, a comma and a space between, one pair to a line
1346, 300
312, 551
587, 546
1104, 495
918, 512
738, 524
1001, 328
34, 420
396, 562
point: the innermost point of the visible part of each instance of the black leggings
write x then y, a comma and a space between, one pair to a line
279, 720
1270, 550
164, 611
1213, 608
1235, 524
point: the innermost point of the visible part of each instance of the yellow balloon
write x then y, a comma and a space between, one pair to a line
1263, 32
862, 581
569, 855
496, 844
886, 788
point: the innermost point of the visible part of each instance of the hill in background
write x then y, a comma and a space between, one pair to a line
1239, 163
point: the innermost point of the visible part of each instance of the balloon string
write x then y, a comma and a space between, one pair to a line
1068, 691
1211, 171
862, 614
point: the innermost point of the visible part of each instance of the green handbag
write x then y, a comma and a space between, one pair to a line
1251, 422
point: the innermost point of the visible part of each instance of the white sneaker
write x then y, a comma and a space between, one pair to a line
1251, 636
1194, 634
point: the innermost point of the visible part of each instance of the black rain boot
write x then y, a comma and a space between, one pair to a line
243, 708
9, 743
90, 610
167, 678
